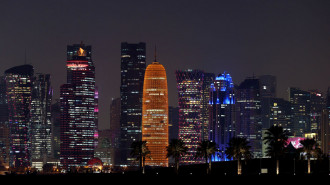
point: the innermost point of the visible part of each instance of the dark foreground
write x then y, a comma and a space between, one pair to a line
222, 172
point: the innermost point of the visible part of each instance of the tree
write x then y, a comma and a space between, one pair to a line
176, 149
238, 148
276, 138
206, 149
140, 151
310, 148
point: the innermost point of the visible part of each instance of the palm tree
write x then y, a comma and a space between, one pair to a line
310, 147
206, 149
176, 149
140, 151
276, 138
238, 148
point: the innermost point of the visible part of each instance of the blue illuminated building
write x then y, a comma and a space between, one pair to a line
222, 106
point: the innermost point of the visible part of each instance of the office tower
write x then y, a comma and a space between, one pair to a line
190, 85
4, 127
317, 104
280, 113
248, 117
56, 129
222, 112
78, 109
115, 131
19, 94
267, 93
325, 126
267, 86
300, 107
40, 113
133, 65
155, 114
173, 122
207, 81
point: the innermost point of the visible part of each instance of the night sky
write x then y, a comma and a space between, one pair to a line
286, 38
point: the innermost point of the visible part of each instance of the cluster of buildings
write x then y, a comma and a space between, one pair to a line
35, 131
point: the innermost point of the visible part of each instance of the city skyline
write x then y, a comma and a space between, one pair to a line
286, 39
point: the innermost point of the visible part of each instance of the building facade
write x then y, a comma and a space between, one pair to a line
77, 100
19, 95
248, 117
190, 85
41, 126
133, 65
222, 112
155, 114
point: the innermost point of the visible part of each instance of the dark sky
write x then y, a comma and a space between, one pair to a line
286, 38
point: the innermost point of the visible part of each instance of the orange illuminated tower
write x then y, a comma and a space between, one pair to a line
155, 114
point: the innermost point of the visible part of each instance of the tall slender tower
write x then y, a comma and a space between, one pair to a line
222, 112
19, 94
190, 85
78, 108
41, 117
155, 114
133, 65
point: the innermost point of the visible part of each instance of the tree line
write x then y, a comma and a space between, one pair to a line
238, 149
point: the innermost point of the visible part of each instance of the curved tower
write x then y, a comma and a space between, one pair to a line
155, 114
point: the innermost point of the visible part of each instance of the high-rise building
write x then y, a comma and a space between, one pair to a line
155, 114
115, 130
4, 127
325, 126
205, 109
300, 107
248, 117
267, 93
222, 112
317, 104
133, 65
173, 122
19, 95
40, 113
78, 108
190, 85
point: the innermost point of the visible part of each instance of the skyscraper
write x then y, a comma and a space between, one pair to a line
190, 85
300, 109
19, 95
155, 114
248, 117
133, 65
41, 117
78, 108
222, 112
205, 108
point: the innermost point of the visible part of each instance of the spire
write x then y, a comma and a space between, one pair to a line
155, 61
155, 53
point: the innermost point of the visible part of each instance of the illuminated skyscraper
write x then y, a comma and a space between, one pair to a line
133, 66
222, 112
155, 114
78, 121
300, 108
41, 117
19, 94
190, 85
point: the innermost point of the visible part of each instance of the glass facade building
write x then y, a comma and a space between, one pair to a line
40, 111
133, 66
19, 95
249, 117
222, 112
78, 110
155, 114
190, 85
